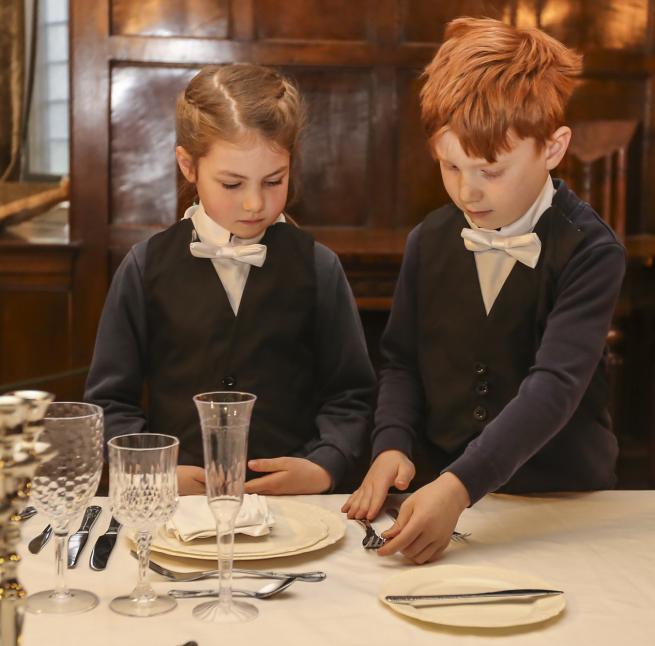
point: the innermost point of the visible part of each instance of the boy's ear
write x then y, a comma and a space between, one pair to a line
185, 162
556, 146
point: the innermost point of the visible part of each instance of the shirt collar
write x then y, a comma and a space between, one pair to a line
529, 219
211, 232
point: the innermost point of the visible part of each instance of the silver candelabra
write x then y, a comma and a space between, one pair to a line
21, 420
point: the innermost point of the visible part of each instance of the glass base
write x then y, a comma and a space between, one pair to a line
216, 613
74, 601
134, 607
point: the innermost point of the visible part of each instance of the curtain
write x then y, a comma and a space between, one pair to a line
12, 83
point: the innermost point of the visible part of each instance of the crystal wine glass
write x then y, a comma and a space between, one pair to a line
63, 484
225, 421
143, 496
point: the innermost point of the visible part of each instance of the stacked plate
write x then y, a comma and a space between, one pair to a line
298, 528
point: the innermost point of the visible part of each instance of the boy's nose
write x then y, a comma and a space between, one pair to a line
469, 193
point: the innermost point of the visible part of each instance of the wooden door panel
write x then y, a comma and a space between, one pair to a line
335, 161
190, 18
143, 167
336, 20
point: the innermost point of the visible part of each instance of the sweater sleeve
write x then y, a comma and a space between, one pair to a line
116, 375
345, 377
571, 348
400, 407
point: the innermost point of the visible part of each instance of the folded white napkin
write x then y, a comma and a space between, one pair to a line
193, 518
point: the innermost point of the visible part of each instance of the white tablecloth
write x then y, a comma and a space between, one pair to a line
598, 547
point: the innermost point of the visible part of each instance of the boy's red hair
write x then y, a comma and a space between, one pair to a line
489, 78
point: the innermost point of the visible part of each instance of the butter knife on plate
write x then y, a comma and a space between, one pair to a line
104, 545
514, 594
78, 540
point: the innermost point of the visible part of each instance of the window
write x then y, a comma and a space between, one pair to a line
48, 128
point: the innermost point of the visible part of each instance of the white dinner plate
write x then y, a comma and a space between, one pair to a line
299, 528
455, 579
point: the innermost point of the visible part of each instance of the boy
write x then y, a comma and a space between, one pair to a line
494, 370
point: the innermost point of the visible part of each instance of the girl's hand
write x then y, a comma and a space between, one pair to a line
190, 480
427, 519
389, 468
288, 476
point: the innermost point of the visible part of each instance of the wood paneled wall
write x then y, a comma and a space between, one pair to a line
366, 173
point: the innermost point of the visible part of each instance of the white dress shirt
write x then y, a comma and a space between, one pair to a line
233, 275
495, 265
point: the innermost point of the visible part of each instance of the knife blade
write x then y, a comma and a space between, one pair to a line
514, 594
78, 540
37, 543
104, 545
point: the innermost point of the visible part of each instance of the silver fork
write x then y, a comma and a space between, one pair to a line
456, 537
372, 541
201, 575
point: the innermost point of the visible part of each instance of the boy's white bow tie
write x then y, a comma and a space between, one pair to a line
252, 254
525, 248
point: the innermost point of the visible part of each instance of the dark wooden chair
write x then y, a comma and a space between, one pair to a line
596, 168
598, 151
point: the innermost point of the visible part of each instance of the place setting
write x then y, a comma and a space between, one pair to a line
196, 539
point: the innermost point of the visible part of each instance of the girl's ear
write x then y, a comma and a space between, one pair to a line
556, 146
185, 162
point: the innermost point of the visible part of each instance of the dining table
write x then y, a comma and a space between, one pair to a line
597, 547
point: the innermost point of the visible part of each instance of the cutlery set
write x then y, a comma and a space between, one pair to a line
105, 544
76, 542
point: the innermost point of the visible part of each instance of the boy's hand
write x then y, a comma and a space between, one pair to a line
288, 476
190, 480
427, 519
389, 468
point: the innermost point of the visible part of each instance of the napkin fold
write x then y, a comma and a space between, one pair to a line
193, 518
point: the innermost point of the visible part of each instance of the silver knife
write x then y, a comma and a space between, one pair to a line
78, 540
104, 545
514, 594
35, 545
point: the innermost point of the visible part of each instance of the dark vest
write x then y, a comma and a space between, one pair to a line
197, 344
471, 363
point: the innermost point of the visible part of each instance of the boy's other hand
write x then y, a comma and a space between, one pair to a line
288, 476
427, 519
190, 480
390, 468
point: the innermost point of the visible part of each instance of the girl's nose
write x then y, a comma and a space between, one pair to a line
253, 203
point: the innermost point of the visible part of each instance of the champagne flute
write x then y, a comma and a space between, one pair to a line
225, 421
143, 496
63, 484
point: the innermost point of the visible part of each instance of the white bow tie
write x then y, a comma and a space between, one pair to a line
252, 254
525, 248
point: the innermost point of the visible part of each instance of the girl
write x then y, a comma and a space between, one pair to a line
233, 296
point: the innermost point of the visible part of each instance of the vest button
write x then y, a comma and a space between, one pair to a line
229, 382
482, 388
479, 413
480, 369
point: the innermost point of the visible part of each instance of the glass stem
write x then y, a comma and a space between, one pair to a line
143, 591
225, 536
61, 562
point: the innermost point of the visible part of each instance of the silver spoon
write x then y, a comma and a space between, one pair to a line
37, 543
265, 592
26, 514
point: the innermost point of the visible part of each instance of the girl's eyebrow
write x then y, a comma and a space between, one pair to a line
237, 176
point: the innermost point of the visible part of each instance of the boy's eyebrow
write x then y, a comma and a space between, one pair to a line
237, 176
481, 164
